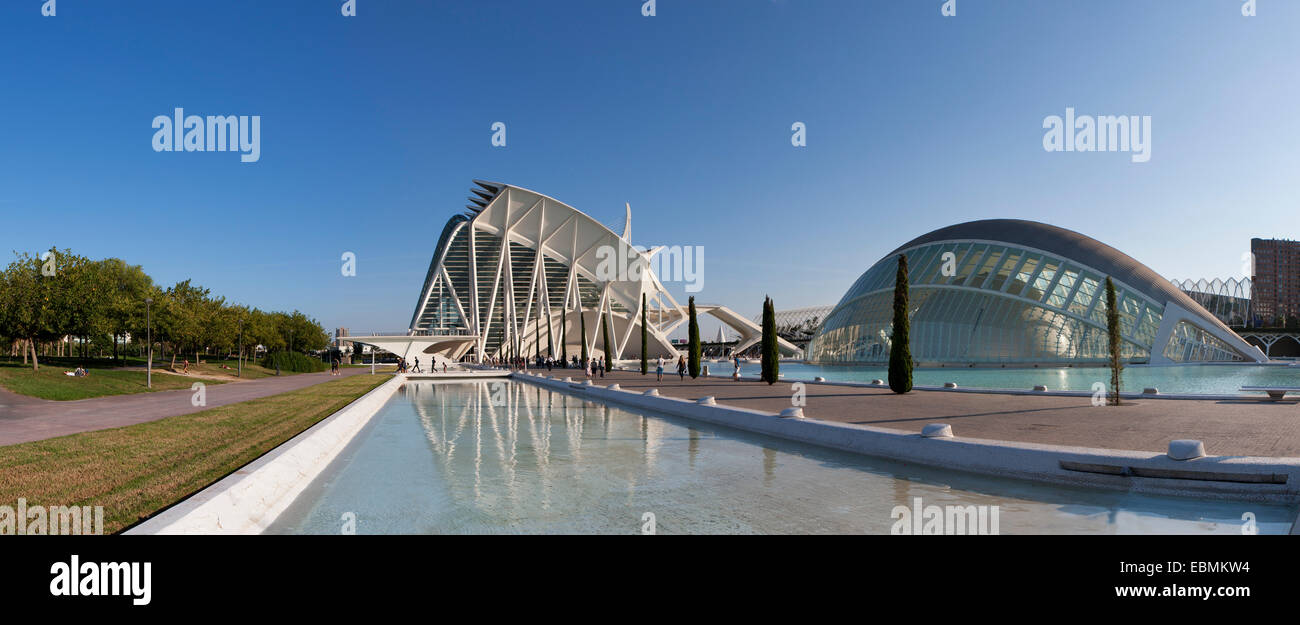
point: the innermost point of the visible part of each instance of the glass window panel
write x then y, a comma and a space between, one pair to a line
1039, 285
1010, 260
986, 267
968, 265
1026, 272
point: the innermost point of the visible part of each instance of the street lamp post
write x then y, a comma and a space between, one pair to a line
148, 322
240, 374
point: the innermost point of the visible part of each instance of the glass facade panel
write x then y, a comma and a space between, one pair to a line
1009, 263
1028, 270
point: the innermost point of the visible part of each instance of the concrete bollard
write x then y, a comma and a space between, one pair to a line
819, 379
614, 387
1150, 390
794, 412
950, 385
937, 430
1040, 388
878, 382
706, 401
586, 382
1186, 449
568, 380
654, 392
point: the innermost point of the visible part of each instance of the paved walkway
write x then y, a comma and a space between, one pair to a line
24, 418
1246, 427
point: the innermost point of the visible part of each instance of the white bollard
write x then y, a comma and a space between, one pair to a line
1186, 449
937, 430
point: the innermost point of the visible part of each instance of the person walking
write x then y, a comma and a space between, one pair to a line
681, 367
659, 369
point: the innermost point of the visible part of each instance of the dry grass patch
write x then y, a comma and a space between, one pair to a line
137, 470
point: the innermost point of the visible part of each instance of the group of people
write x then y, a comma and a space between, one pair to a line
593, 367
414, 366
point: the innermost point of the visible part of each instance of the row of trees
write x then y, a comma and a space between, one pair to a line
64, 304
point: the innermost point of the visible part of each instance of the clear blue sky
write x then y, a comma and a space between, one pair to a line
374, 126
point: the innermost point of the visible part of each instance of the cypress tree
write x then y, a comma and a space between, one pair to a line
1112, 336
582, 322
550, 336
900, 349
768, 346
693, 343
604, 336
645, 338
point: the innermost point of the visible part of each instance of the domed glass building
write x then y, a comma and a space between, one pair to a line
1005, 291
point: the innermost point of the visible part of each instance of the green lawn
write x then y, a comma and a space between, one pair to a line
137, 470
51, 383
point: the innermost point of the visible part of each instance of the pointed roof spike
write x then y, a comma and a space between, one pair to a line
627, 223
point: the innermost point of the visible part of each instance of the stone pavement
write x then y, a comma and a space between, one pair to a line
1245, 427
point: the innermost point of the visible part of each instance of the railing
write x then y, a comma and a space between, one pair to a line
408, 332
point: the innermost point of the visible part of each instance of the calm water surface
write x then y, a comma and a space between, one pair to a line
460, 457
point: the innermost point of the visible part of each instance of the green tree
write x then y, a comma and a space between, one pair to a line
564, 335
582, 320
900, 349
128, 286
1113, 341
645, 339
693, 342
604, 337
768, 347
46, 299
550, 338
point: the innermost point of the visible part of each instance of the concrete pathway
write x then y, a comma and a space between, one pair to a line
24, 419
1246, 427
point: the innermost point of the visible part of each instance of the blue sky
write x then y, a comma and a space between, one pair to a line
373, 127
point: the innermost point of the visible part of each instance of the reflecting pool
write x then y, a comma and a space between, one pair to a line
508, 457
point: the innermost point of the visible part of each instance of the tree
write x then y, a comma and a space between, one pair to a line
900, 349
645, 338
564, 335
770, 371
128, 286
1113, 341
46, 299
693, 343
604, 336
550, 339
582, 320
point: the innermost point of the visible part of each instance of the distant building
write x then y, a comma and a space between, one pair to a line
1228, 300
1275, 288
338, 334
